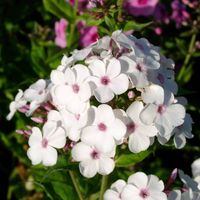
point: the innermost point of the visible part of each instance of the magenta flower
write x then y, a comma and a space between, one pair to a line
179, 14
88, 34
60, 31
140, 7
161, 14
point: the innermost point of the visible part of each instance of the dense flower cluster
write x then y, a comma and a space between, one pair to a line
119, 90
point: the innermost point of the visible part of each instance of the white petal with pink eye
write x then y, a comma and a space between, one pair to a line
113, 68
34, 154
138, 179
103, 94
81, 151
88, 168
106, 166
153, 94
49, 156
58, 77
58, 138
129, 192
148, 114
98, 68
119, 84
104, 114
35, 137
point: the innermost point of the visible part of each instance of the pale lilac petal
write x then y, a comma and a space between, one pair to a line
176, 114
138, 142
179, 140
97, 68
36, 137
113, 68
81, 151
111, 195
138, 179
81, 72
134, 110
57, 77
34, 154
148, 114
88, 168
118, 130
58, 138
154, 184
103, 94
153, 94
49, 156
106, 166
119, 84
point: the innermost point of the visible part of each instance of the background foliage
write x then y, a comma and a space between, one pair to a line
28, 52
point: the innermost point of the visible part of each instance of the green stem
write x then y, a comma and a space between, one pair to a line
104, 182
188, 57
120, 5
76, 185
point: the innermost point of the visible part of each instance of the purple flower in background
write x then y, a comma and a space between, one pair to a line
179, 13
60, 31
140, 7
88, 34
161, 14
191, 3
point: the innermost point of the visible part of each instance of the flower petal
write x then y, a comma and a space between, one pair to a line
49, 156
88, 168
138, 179
148, 114
34, 154
98, 68
106, 166
36, 137
103, 94
113, 68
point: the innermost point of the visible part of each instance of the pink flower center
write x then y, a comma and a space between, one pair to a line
102, 127
161, 79
75, 88
105, 80
142, 2
161, 109
44, 143
77, 116
131, 127
140, 67
144, 193
95, 155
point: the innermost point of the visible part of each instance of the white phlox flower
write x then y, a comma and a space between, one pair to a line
140, 186
75, 122
161, 110
196, 171
188, 195
71, 90
107, 79
65, 63
16, 104
139, 134
182, 132
138, 68
114, 193
93, 160
37, 94
105, 130
43, 144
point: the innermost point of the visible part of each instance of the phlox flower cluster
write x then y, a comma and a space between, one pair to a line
119, 90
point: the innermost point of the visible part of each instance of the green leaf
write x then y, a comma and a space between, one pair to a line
59, 8
132, 25
126, 160
110, 23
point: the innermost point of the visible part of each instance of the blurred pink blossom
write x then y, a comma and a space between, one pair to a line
191, 3
60, 31
140, 7
161, 14
88, 34
158, 31
179, 14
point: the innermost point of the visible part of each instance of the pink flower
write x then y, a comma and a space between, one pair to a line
158, 31
88, 34
60, 31
140, 7
179, 14
161, 14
